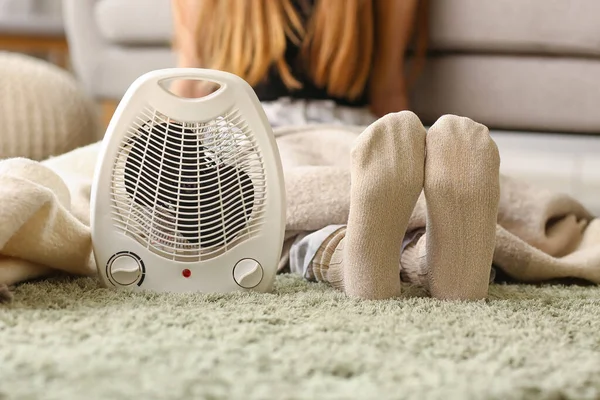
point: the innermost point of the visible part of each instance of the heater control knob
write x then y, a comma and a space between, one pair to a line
248, 273
125, 270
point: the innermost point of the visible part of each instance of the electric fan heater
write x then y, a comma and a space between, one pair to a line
188, 194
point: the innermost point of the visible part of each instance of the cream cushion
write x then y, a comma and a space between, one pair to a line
43, 111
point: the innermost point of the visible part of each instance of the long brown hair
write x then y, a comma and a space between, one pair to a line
247, 37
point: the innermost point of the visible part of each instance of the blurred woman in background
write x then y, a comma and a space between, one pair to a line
329, 61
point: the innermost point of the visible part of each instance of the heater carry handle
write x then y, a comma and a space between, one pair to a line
187, 108
221, 78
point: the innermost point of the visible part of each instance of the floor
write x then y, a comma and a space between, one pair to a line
562, 162
71, 339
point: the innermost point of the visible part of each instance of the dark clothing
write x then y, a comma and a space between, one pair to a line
273, 88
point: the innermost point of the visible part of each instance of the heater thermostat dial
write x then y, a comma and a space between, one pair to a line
125, 269
248, 273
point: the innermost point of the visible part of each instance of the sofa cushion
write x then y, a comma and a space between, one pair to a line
32, 26
119, 66
31, 17
536, 26
532, 26
135, 22
44, 110
512, 92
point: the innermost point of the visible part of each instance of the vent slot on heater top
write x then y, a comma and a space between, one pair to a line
188, 191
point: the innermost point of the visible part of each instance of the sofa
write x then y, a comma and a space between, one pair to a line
511, 64
28, 17
35, 27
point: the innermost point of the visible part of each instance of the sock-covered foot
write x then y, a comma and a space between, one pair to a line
413, 261
462, 190
328, 263
386, 180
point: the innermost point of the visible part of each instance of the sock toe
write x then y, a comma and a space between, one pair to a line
462, 192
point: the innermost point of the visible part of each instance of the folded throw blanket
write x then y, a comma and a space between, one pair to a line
44, 219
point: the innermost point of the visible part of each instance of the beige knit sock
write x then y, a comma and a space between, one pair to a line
462, 191
413, 262
386, 180
327, 264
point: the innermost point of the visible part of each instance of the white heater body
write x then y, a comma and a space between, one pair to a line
188, 194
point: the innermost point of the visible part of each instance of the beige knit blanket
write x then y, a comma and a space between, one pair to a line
44, 218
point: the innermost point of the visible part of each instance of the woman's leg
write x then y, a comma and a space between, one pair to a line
453, 258
386, 179
186, 15
462, 190
395, 23
413, 263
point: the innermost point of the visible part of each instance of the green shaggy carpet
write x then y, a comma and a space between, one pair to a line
69, 339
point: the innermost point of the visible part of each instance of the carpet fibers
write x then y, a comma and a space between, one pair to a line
68, 339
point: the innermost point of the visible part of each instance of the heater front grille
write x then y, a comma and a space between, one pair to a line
188, 191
